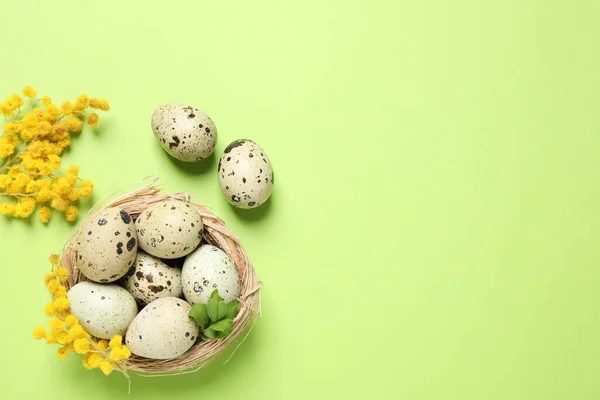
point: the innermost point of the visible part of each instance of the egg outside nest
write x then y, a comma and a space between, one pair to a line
245, 174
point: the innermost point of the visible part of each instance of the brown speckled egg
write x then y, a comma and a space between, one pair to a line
185, 132
106, 246
169, 229
149, 279
103, 310
207, 269
245, 174
162, 330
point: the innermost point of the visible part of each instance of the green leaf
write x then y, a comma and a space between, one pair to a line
221, 310
212, 307
209, 333
198, 312
224, 325
233, 307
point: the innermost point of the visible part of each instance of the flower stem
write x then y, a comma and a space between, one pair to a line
12, 159
17, 195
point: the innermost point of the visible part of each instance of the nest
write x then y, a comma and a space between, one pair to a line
215, 233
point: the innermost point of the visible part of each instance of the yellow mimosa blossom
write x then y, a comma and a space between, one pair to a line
60, 292
31, 144
56, 325
28, 91
63, 352
49, 277
73, 124
53, 286
87, 187
62, 304
93, 360
50, 309
15, 127
62, 273
50, 339
81, 346
66, 108
45, 214
72, 213
39, 333
77, 332
62, 337
107, 367
71, 320
92, 120
82, 99
116, 341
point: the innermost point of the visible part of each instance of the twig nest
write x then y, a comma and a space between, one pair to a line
163, 338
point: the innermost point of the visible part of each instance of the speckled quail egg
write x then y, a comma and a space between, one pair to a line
103, 310
207, 269
162, 330
169, 229
245, 174
185, 132
106, 246
149, 279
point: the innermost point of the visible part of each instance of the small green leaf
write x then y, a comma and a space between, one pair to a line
212, 307
222, 310
233, 307
209, 333
224, 325
198, 312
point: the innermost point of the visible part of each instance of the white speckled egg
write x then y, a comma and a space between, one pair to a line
103, 310
162, 330
207, 269
106, 246
169, 229
245, 174
185, 132
149, 279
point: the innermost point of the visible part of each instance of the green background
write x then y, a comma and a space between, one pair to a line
433, 233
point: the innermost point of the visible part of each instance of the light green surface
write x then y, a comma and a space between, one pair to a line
434, 229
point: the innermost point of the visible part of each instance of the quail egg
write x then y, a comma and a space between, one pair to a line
245, 174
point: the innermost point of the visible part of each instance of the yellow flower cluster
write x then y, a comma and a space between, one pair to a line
64, 329
31, 146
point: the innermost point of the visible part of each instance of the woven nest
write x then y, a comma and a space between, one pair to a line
215, 233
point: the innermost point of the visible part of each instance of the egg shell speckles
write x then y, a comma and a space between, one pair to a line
169, 229
149, 279
106, 246
162, 330
184, 132
207, 269
103, 310
245, 174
